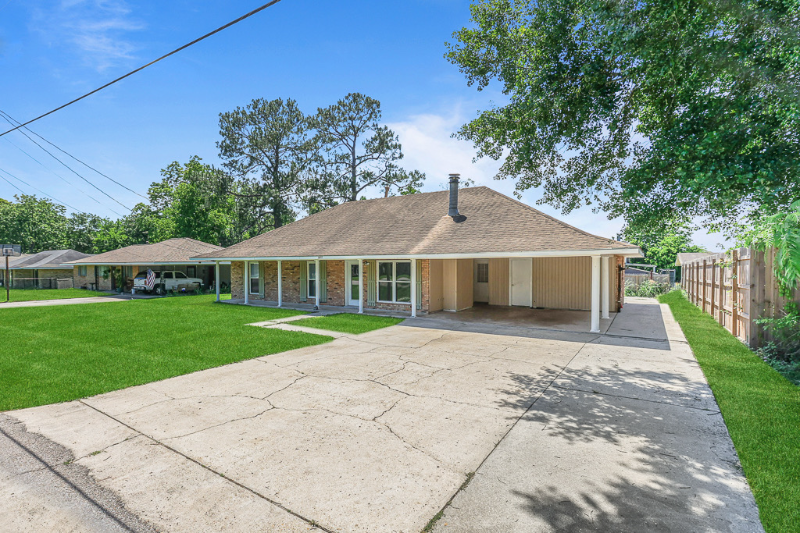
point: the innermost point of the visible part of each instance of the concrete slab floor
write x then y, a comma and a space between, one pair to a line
376, 432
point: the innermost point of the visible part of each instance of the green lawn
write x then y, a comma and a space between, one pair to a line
59, 353
26, 295
348, 322
760, 407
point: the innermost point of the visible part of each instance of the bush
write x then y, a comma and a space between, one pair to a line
783, 351
647, 289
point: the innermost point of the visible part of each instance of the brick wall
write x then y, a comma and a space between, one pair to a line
81, 282
338, 284
237, 280
62, 273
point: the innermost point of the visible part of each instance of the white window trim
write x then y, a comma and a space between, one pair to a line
311, 283
250, 277
393, 282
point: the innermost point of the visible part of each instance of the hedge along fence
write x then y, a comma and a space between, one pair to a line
637, 279
737, 289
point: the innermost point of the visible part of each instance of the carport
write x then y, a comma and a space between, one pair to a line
116, 269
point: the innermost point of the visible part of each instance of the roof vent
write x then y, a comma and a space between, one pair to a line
453, 211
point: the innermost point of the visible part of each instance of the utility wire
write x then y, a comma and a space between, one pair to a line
207, 35
7, 116
62, 178
40, 191
69, 168
12, 184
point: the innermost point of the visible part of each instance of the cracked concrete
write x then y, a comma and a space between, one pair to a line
376, 432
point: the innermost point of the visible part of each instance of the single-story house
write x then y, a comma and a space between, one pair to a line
429, 252
100, 272
12, 260
43, 270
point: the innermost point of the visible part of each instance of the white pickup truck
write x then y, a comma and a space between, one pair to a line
168, 280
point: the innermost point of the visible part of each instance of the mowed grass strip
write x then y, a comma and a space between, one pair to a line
60, 353
348, 322
760, 407
29, 295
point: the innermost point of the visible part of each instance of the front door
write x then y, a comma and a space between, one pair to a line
521, 274
352, 278
480, 289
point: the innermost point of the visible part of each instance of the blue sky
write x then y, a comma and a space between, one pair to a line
315, 52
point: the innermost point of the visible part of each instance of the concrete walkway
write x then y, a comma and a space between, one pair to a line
63, 301
567, 431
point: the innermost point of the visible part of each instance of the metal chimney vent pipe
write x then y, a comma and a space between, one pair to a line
453, 211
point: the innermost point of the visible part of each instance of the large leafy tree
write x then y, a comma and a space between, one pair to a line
268, 144
35, 223
647, 109
661, 245
82, 230
358, 152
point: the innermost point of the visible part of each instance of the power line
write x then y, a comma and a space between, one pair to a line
70, 168
36, 189
228, 25
62, 178
10, 183
7, 116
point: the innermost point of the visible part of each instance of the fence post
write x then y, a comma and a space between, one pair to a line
697, 283
721, 306
758, 289
735, 294
705, 280
713, 285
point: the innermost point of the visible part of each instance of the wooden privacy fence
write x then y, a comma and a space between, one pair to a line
737, 289
637, 279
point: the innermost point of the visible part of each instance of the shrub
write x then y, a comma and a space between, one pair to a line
647, 289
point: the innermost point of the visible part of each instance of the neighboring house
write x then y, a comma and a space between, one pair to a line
44, 270
12, 261
101, 272
455, 249
686, 258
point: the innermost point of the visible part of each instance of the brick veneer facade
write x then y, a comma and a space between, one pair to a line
337, 284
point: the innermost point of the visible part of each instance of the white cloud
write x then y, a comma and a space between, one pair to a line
97, 29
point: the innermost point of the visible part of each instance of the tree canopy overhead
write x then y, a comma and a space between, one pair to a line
650, 110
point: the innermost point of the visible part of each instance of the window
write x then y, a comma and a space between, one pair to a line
180, 275
483, 273
82, 271
394, 281
312, 279
254, 271
191, 271
167, 275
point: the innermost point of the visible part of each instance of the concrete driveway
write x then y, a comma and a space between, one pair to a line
378, 432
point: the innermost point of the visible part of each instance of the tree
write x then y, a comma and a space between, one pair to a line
35, 223
358, 153
81, 231
780, 231
268, 144
662, 243
648, 109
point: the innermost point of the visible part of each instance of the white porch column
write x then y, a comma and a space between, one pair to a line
246, 280
361, 286
280, 283
595, 312
216, 277
605, 287
413, 287
316, 281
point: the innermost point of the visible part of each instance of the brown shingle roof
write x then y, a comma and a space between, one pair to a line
417, 225
178, 250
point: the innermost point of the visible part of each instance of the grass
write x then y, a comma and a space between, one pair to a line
27, 295
760, 407
348, 322
60, 353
